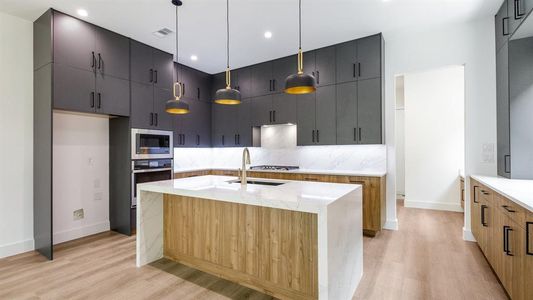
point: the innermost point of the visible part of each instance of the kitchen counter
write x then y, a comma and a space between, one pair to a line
297, 171
336, 207
518, 191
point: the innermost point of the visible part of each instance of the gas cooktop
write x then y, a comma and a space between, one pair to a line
274, 168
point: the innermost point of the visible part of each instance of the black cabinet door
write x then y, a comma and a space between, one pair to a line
309, 63
502, 111
177, 129
142, 66
203, 124
501, 29
244, 132
163, 69
326, 127
112, 95
347, 113
262, 110
284, 107
517, 12
325, 66
262, 79
369, 57
225, 125
74, 42
346, 62
204, 86
281, 69
188, 82
73, 89
369, 111
142, 105
219, 82
112, 54
306, 117
162, 119
243, 81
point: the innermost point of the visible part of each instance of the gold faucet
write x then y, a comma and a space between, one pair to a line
245, 160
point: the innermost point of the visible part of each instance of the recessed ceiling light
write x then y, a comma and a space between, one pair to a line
82, 12
268, 34
194, 57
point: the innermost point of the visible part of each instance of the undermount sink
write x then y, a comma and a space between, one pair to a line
272, 183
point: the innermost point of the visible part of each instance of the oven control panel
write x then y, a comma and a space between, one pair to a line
147, 164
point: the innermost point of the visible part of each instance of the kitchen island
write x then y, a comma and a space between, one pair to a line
289, 239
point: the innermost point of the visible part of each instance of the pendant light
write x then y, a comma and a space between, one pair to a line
176, 106
300, 83
227, 96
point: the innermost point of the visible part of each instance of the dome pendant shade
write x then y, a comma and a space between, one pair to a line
300, 83
176, 106
228, 96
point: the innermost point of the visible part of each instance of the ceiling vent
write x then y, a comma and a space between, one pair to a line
161, 33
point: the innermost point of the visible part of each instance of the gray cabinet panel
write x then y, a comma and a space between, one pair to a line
141, 63
244, 132
261, 79
73, 89
163, 69
324, 66
204, 86
347, 113
112, 95
186, 77
309, 63
243, 81
325, 116
346, 61
284, 107
281, 69
162, 119
142, 105
369, 57
203, 124
113, 54
501, 26
262, 110
517, 12
74, 42
219, 82
306, 116
225, 125
369, 111
502, 111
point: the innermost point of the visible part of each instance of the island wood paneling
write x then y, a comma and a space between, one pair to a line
271, 250
374, 189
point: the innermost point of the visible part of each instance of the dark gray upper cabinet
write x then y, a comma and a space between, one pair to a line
346, 61
196, 85
502, 112
517, 11
74, 42
369, 57
324, 66
347, 113
194, 128
74, 89
142, 105
281, 69
244, 130
225, 125
501, 21
262, 82
369, 111
284, 107
112, 95
218, 82
163, 69
112, 56
242, 81
142, 66
325, 116
306, 119
262, 110
162, 119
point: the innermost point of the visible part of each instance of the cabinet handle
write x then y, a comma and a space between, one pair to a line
475, 194
151, 75
359, 69
183, 139
270, 112
151, 119
528, 251
518, 9
355, 134
238, 139
183, 88
270, 85
198, 89
505, 26
313, 136
197, 140
99, 105
92, 99
505, 159
485, 192
93, 60
223, 140
317, 77
155, 73
483, 207
156, 119
506, 207
99, 61
318, 136
354, 71
310, 179
273, 84
508, 231
505, 239
274, 114
360, 135
235, 140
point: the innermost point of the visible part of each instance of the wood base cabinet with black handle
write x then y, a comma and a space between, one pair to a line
503, 231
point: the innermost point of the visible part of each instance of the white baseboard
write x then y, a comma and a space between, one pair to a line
391, 224
16, 248
468, 236
434, 205
76, 233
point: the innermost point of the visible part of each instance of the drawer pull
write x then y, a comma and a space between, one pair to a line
485, 192
506, 207
310, 179
475, 194
483, 207
508, 230
528, 251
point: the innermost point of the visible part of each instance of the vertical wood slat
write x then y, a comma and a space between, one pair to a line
272, 250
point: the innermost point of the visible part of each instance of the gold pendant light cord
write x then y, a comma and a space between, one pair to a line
177, 83
300, 54
228, 75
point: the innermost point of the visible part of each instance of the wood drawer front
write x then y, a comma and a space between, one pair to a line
513, 211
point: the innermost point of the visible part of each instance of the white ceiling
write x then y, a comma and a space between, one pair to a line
202, 23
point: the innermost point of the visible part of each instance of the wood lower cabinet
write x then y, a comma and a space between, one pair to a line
503, 231
374, 202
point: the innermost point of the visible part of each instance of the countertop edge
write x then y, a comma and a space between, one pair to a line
499, 190
302, 171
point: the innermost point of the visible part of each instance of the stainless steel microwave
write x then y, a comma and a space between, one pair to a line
151, 144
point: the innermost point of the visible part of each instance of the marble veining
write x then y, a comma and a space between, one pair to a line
516, 190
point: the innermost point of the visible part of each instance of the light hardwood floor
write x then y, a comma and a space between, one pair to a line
425, 259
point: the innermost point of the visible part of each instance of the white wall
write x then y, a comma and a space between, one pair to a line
81, 175
400, 137
16, 135
434, 138
470, 44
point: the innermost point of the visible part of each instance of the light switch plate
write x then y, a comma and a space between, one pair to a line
487, 153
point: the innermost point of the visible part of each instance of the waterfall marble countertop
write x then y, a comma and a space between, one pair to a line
516, 190
302, 196
297, 171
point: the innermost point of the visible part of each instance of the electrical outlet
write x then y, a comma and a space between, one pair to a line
98, 196
78, 214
